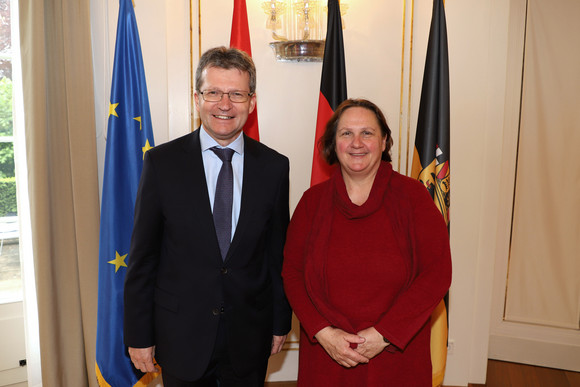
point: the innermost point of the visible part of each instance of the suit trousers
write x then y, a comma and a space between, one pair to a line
220, 372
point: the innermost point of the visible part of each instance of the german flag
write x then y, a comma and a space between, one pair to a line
431, 157
332, 87
240, 39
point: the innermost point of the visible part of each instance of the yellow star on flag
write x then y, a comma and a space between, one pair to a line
146, 148
140, 123
112, 107
118, 261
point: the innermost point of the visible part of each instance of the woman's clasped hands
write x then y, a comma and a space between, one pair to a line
350, 350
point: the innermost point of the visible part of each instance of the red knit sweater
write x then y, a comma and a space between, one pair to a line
384, 264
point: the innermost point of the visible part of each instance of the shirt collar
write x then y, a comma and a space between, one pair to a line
207, 142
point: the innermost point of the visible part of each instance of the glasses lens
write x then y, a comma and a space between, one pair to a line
212, 95
238, 96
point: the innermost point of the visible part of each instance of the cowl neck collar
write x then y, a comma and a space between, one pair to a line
373, 203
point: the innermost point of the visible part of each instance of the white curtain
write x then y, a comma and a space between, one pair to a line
544, 267
59, 126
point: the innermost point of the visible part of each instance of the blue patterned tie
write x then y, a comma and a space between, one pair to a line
224, 196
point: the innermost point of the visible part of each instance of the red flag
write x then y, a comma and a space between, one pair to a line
240, 38
332, 87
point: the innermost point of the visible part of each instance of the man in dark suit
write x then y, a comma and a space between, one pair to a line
208, 310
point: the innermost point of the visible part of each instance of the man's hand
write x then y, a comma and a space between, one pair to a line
373, 345
277, 343
142, 358
339, 345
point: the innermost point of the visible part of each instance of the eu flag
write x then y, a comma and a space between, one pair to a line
129, 136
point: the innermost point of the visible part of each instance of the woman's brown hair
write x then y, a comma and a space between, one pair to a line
327, 143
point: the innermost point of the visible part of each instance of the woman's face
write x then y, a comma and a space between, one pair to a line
359, 142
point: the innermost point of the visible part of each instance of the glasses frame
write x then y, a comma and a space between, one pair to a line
222, 93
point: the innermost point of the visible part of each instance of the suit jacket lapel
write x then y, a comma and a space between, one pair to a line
196, 181
196, 189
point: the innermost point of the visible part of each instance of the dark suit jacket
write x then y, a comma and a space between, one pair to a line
177, 287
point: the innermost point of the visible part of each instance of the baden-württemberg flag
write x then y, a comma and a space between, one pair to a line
431, 156
129, 136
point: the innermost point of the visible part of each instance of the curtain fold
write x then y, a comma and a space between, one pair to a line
63, 185
544, 269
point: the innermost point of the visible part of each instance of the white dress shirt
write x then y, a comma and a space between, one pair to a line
212, 165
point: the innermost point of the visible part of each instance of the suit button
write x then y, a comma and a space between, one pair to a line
224, 270
215, 311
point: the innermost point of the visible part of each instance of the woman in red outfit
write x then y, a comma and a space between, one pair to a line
366, 261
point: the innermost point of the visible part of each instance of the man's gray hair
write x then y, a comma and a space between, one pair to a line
226, 58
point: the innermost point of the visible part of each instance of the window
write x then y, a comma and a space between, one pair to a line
10, 276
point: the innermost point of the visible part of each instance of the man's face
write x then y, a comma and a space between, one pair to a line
224, 120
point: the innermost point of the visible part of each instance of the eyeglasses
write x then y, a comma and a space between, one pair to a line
217, 95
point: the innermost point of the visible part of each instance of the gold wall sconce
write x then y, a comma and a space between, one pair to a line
298, 28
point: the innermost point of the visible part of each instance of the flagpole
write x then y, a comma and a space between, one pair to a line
407, 160
199, 27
